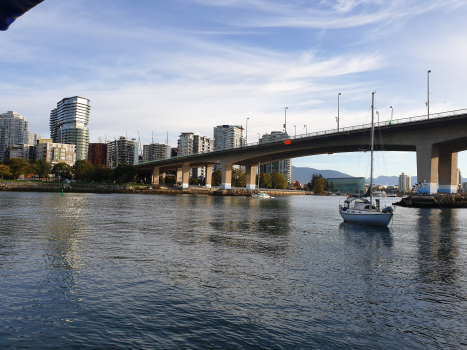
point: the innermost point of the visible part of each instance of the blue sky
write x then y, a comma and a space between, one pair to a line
173, 66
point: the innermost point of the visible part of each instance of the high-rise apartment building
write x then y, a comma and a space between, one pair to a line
14, 129
405, 183
156, 151
97, 153
122, 151
283, 167
228, 136
192, 142
68, 124
33, 138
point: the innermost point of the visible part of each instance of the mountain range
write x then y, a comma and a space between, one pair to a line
303, 175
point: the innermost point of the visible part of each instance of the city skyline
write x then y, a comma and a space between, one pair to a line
201, 64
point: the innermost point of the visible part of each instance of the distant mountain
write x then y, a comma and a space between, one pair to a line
303, 175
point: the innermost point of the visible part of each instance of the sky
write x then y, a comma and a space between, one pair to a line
189, 65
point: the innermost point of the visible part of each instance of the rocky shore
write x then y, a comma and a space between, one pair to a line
439, 200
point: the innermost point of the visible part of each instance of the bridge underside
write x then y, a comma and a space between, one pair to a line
436, 143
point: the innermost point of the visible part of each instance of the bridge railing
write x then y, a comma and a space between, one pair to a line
336, 131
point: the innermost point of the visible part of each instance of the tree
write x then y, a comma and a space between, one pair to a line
5, 170
278, 180
62, 170
18, 166
124, 173
327, 187
82, 170
42, 168
265, 180
216, 178
102, 173
238, 178
319, 185
297, 185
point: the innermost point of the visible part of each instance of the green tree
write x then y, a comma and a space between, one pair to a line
319, 185
193, 181
62, 170
265, 180
124, 173
5, 170
216, 178
170, 180
18, 166
238, 178
83, 170
42, 168
278, 180
329, 186
102, 173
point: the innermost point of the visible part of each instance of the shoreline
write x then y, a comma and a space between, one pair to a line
438, 200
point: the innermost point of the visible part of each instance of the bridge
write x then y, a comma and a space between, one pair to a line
436, 140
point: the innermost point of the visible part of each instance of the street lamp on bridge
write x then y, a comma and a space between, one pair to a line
295, 130
392, 111
428, 93
285, 121
338, 95
306, 129
246, 132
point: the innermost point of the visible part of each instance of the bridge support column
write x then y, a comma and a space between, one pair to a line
226, 175
448, 172
251, 177
163, 178
427, 168
179, 178
208, 176
155, 176
186, 175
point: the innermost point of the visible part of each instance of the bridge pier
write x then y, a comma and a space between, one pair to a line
226, 175
208, 176
155, 176
427, 168
448, 172
185, 175
179, 178
251, 177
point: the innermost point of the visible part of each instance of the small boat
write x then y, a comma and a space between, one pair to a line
363, 211
261, 195
379, 194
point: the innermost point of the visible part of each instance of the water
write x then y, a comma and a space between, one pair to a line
141, 271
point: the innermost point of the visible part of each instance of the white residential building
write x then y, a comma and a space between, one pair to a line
54, 152
283, 166
228, 136
405, 183
14, 129
193, 142
122, 151
156, 151
68, 124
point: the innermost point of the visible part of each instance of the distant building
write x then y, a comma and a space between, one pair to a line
464, 186
68, 124
122, 151
348, 185
174, 152
405, 183
54, 152
156, 151
14, 129
283, 166
192, 142
228, 136
459, 178
97, 153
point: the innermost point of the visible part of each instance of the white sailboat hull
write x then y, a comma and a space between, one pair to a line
375, 218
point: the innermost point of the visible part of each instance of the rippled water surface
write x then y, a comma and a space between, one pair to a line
141, 271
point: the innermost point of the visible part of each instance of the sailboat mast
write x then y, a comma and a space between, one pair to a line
372, 145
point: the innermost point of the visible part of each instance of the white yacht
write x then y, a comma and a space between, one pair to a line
360, 210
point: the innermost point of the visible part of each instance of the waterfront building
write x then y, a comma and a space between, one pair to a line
21, 150
228, 136
97, 153
33, 138
122, 151
283, 166
156, 151
68, 124
348, 185
405, 183
54, 152
193, 142
14, 129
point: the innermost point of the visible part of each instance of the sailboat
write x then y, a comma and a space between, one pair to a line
359, 210
260, 194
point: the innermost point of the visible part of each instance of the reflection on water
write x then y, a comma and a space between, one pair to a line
437, 236
138, 271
